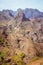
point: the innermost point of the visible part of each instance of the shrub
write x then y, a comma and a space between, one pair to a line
22, 55
3, 40
1, 56
18, 59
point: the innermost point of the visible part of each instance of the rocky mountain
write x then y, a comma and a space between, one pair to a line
6, 14
21, 16
29, 13
21, 37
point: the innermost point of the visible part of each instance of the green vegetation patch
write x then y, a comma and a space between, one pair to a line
18, 59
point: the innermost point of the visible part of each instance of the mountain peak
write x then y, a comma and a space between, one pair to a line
20, 15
